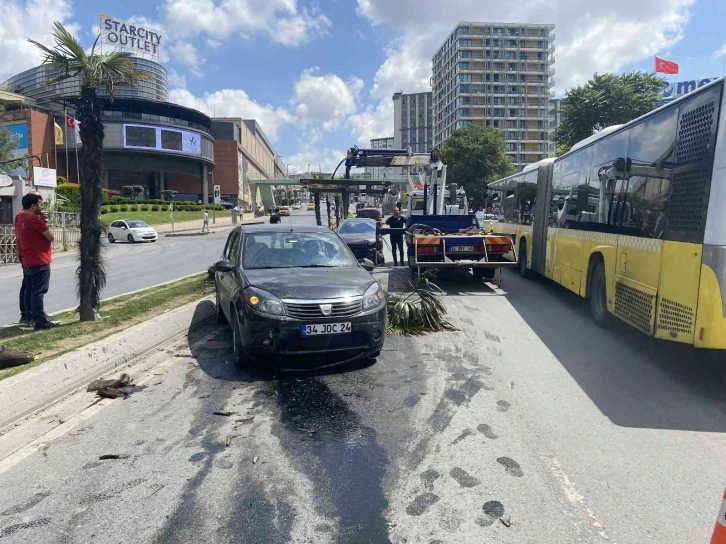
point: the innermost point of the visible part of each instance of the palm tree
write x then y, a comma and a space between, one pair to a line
95, 71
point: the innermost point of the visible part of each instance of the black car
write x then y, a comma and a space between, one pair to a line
363, 237
297, 297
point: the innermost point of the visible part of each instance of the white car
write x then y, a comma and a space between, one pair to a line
131, 230
296, 206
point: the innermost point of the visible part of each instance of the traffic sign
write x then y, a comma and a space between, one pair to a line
217, 194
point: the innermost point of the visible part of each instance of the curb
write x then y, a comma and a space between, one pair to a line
38, 387
181, 234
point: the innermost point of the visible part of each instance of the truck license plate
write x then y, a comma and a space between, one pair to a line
461, 248
325, 328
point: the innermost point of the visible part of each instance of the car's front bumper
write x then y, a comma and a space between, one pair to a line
279, 340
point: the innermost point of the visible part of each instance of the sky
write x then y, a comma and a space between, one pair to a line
319, 75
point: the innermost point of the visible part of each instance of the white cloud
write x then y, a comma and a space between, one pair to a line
280, 19
407, 66
720, 52
372, 122
32, 19
235, 103
325, 99
187, 54
325, 159
591, 35
176, 80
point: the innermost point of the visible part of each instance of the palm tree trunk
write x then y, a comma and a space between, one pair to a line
316, 199
91, 270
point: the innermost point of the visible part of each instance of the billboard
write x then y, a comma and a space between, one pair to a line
44, 177
676, 89
120, 35
162, 139
18, 132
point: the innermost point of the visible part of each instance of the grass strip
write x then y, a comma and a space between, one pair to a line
118, 314
161, 217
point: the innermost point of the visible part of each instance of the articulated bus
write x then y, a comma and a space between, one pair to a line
634, 219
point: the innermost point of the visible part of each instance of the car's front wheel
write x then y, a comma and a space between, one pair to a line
240, 358
130, 238
111, 239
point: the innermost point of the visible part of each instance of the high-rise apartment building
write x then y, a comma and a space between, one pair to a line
413, 123
497, 75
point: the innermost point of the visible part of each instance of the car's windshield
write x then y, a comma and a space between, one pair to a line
136, 224
293, 250
372, 214
357, 227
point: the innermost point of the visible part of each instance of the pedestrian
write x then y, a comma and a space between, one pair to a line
397, 221
35, 242
26, 317
275, 217
205, 221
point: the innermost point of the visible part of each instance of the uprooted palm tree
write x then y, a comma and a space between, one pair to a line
417, 308
95, 71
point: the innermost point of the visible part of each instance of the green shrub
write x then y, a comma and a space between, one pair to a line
144, 208
104, 211
124, 208
113, 209
71, 195
155, 208
134, 208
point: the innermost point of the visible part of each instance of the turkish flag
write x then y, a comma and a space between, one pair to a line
70, 121
665, 66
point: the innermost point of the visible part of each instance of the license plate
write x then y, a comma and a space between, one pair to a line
461, 248
325, 328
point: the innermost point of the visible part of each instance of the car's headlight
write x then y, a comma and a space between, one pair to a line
264, 302
374, 297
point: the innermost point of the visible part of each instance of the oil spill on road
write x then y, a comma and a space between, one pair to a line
464, 434
487, 431
493, 510
410, 401
503, 406
463, 478
511, 466
342, 457
421, 504
428, 478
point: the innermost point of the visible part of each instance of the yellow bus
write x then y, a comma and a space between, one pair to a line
634, 219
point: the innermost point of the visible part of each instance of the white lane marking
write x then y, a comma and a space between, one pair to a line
575, 497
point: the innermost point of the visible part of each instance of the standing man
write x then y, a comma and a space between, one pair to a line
34, 244
275, 217
205, 221
397, 221
26, 316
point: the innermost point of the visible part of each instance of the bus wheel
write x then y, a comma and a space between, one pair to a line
598, 297
522, 261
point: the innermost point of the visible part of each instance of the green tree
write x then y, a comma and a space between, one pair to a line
475, 156
95, 71
606, 100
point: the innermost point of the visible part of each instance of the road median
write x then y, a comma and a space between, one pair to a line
75, 353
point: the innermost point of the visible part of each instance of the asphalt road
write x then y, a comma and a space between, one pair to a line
527, 425
130, 267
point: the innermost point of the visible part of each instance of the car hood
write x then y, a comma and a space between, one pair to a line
311, 283
357, 238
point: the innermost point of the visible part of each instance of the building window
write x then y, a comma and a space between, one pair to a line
465, 66
464, 112
511, 147
465, 78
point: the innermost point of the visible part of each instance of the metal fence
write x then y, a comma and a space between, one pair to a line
64, 219
8, 245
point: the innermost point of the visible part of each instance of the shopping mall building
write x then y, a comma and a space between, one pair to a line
149, 142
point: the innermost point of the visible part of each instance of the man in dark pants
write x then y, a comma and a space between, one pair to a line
397, 221
275, 217
26, 316
34, 244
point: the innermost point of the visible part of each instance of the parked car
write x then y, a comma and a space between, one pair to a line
294, 291
131, 230
363, 238
311, 206
284, 210
296, 206
370, 213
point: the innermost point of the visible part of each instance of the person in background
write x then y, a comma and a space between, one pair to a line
26, 316
34, 244
275, 217
205, 221
397, 221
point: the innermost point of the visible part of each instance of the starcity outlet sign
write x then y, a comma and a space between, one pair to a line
118, 35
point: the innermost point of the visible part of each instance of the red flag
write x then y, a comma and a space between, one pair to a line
70, 121
665, 66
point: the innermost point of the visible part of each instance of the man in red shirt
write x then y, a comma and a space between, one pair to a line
34, 247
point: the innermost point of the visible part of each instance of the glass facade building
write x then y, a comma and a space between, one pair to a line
33, 83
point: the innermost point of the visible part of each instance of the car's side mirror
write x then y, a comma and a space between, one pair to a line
367, 264
223, 266
124, 227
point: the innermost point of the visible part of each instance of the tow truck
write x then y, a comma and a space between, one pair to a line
436, 240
